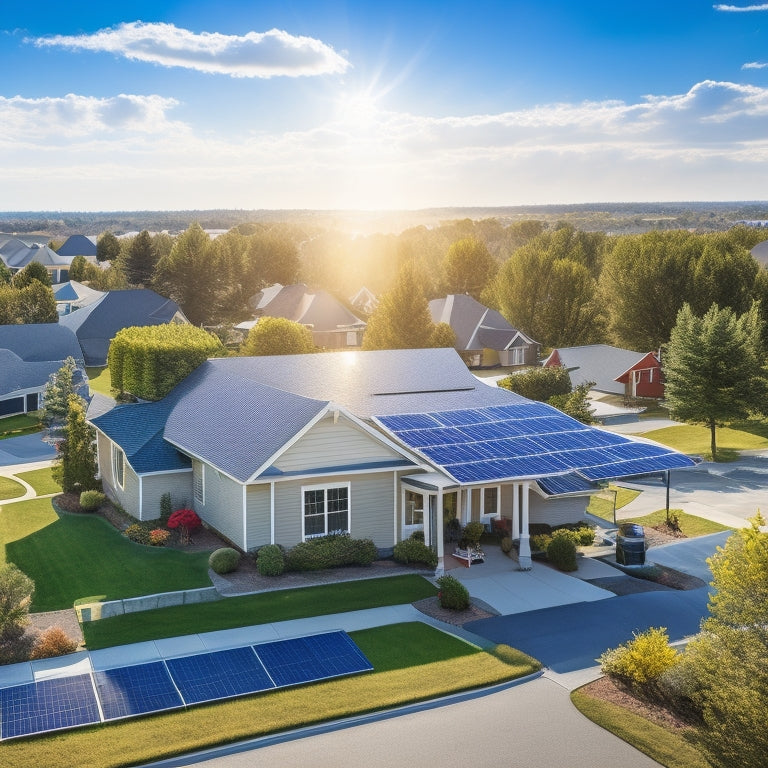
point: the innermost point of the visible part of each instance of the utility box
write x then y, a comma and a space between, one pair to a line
630, 544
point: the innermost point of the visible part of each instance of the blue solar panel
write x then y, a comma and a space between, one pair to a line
307, 659
219, 675
136, 690
47, 705
571, 483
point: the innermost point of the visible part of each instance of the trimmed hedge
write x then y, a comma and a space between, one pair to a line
90, 501
414, 551
561, 552
332, 551
224, 560
453, 594
150, 361
270, 560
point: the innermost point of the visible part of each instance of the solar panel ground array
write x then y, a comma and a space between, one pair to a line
85, 699
526, 440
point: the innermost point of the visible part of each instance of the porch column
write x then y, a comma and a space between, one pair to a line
439, 535
524, 558
467, 514
515, 511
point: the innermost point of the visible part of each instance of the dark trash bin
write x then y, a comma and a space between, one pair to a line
630, 544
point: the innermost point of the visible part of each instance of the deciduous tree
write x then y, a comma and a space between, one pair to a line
16, 590
468, 267
277, 336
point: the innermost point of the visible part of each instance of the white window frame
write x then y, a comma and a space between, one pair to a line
198, 479
486, 515
325, 487
118, 466
409, 528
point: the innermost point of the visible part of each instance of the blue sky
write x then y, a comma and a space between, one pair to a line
392, 105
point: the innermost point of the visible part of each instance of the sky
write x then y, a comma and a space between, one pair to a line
325, 104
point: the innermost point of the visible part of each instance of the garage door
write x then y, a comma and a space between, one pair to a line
13, 405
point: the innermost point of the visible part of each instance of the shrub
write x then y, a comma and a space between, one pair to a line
506, 545
418, 535
138, 533
414, 551
561, 552
472, 533
90, 501
270, 560
540, 541
52, 642
166, 508
331, 551
453, 594
224, 560
186, 520
158, 537
641, 660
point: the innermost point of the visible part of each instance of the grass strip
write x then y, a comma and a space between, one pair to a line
601, 505
10, 489
262, 608
666, 747
452, 666
694, 440
691, 525
99, 380
73, 556
21, 424
41, 480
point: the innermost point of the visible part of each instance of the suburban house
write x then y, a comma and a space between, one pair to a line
78, 245
610, 370
364, 301
379, 444
29, 354
73, 295
16, 254
483, 336
333, 325
96, 324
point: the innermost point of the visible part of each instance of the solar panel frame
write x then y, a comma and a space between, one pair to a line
137, 689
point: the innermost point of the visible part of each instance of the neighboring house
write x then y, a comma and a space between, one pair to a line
379, 444
364, 301
483, 336
16, 254
598, 364
78, 245
73, 295
96, 324
643, 379
333, 326
29, 354
760, 252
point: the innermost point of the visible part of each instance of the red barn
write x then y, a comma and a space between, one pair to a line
643, 379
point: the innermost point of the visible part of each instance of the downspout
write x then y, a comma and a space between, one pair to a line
440, 570
272, 512
245, 518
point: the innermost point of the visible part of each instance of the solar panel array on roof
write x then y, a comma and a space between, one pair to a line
525, 440
66, 702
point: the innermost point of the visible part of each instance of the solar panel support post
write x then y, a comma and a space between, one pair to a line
667, 473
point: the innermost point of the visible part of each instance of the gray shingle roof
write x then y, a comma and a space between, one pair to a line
296, 302
40, 342
78, 245
598, 363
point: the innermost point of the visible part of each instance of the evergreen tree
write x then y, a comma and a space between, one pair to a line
714, 368
107, 247
402, 319
56, 395
33, 271
75, 468
16, 590
140, 260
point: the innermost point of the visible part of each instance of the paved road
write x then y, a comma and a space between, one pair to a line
24, 450
522, 727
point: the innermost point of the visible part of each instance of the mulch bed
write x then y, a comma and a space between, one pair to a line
431, 607
606, 689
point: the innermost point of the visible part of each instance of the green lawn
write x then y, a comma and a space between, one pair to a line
22, 424
666, 747
41, 480
690, 525
602, 505
99, 380
79, 556
694, 440
266, 607
412, 662
10, 489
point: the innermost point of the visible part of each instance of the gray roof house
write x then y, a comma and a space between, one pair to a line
78, 245
333, 326
16, 254
96, 324
600, 364
378, 444
29, 354
483, 336
73, 295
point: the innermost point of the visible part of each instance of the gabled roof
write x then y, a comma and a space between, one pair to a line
76, 293
17, 255
648, 360
17, 375
97, 323
78, 245
297, 303
598, 363
475, 325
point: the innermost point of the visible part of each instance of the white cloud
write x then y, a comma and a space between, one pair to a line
754, 65
128, 153
256, 54
741, 8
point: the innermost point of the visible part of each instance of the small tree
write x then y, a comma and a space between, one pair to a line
16, 590
60, 386
107, 248
186, 520
33, 271
278, 336
76, 469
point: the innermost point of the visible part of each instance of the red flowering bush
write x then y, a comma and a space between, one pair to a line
186, 520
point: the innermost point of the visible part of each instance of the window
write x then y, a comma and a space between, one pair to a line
118, 465
490, 500
326, 510
198, 481
413, 513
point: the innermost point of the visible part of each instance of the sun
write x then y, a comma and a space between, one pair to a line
357, 110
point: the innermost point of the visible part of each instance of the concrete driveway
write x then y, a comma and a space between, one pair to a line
25, 450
